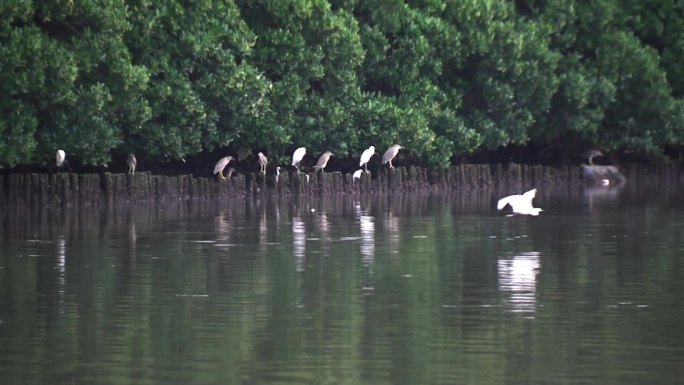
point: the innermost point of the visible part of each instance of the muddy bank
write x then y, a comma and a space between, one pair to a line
29, 189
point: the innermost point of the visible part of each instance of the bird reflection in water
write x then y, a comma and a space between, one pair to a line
61, 267
392, 225
324, 231
222, 228
518, 280
263, 231
367, 228
299, 242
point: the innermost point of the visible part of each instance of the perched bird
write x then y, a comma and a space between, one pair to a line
521, 204
365, 157
277, 176
390, 154
262, 162
357, 174
297, 157
132, 163
221, 164
60, 158
323, 161
589, 155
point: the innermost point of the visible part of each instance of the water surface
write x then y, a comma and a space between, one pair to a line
375, 289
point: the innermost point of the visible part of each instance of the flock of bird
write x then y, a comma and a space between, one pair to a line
320, 165
520, 204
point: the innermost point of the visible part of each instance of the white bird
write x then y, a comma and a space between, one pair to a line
521, 204
297, 157
277, 176
60, 158
262, 162
356, 175
365, 157
132, 163
390, 154
221, 164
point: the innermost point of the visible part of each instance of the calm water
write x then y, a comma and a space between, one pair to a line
399, 289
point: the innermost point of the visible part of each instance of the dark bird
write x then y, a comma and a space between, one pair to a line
323, 161
221, 164
390, 154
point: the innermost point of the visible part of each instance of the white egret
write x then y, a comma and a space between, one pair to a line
60, 158
390, 154
356, 175
323, 161
221, 164
132, 163
297, 157
262, 162
521, 204
365, 157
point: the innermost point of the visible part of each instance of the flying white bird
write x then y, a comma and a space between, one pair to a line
365, 157
521, 204
297, 157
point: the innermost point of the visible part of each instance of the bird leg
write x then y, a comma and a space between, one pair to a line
390, 164
221, 175
365, 166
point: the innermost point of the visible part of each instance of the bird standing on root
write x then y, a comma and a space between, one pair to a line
297, 157
521, 204
356, 175
365, 157
390, 154
323, 161
262, 162
221, 164
60, 157
132, 163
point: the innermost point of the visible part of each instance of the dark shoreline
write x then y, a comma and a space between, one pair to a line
67, 188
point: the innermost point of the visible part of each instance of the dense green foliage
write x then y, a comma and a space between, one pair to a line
169, 78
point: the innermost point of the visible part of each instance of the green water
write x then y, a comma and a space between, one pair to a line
385, 289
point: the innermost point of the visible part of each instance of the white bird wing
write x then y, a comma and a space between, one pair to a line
357, 174
505, 201
521, 204
530, 194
